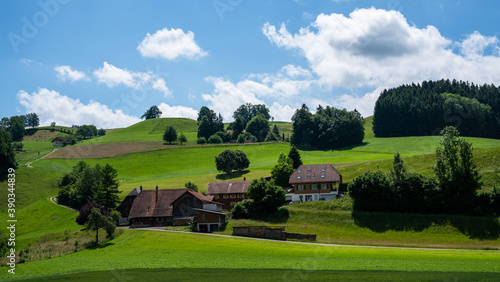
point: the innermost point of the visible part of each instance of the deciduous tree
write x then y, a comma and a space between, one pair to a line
153, 112
170, 134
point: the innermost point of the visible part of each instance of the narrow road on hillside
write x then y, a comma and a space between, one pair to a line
54, 201
296, 242
28, 164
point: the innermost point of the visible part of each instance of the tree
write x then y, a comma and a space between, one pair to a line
241, 138
456, 171
191, 186
215, 139
302, 126
295, 156
266, 196
282, 170
238, 126
88, 184
4, 243
18, 146
96, 220
87, 131
182, 138
7, 154
32, 120
170, 134
201, 140
17, 128
108, 193
5, 123
85, 211
101, 132
258, 126
151, 113
248, 111
228, 161
271, 137
276, 130
209, 123
398, 172
52, 124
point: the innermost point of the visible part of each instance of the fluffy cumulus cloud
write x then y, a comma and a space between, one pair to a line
113, 76
177, 111
227, 96
170, 44
372, 48
52, 106
65, 73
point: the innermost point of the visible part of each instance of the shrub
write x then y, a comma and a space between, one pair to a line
241, 138
201, 140
215, 139
241, 209
271, 137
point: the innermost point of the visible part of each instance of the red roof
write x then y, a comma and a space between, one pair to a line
315, 174
60, 139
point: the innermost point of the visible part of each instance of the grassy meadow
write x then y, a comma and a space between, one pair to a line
137, 252
158, 250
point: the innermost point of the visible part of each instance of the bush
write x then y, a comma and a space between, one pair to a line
215, 139
225, 136
271, 137
241, 209
201, 140
241, 138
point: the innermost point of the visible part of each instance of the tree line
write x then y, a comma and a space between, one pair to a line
16, 125
454, 190
426, 108
328, 128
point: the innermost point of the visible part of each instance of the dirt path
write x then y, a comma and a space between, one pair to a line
28, 164
54, 201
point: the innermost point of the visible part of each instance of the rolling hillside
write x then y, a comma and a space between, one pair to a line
172, 166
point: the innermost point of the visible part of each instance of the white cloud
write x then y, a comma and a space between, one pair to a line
28, 62
65, 73
371, 48
177, 111
52, 106
475, 44
113, 76
377, 49
170, 44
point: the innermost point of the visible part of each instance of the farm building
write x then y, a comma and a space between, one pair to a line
161, 207
126, 205
210, 218
313, 183
228, 192
59, 141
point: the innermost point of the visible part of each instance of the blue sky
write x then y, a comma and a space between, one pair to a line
105, 62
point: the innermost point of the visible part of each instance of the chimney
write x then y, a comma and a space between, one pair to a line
156, 194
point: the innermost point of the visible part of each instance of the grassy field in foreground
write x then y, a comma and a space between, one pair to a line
152, 249
242, 274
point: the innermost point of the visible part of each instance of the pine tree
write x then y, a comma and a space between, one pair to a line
295, 156
108, 194
170, 134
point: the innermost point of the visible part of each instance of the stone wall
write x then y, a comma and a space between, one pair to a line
270, 232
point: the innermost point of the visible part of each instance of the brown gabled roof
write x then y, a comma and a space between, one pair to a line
228, 187
315, 174
62, 139
146, 205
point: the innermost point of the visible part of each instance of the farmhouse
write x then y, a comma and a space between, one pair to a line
161, 207
228, 192
59, 141
313, 183
210, 218
126, 205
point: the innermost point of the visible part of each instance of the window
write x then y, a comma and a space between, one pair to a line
323, 176
314, 186
202, 216
324, 186
335, 187
322, 169
299, 170
233, 203
308, 176
225, 196
308, 170
216, 196
233, 196
239, 195
298, 177
301, 187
